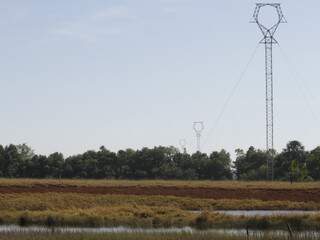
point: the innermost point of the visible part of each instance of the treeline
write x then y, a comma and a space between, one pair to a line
293, 163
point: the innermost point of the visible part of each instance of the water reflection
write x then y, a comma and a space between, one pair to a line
41, 229
73, 230
265, 213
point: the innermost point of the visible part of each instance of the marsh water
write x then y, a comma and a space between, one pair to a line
86, 230
42, 229
262, 213
265, 213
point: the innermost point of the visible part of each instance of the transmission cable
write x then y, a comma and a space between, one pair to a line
230, 96
305, 91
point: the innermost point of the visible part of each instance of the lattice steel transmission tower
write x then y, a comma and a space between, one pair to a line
269, 40
183, 145
198, 127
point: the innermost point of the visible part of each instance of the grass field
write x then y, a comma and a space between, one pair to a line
175, 183
277, 191
154, 203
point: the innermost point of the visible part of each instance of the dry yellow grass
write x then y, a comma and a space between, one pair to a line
62, 201
213, 184
149, 217
83, 209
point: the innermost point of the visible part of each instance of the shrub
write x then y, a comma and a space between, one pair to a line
258, 223
202, 221
24, 220
295, 223
50, 221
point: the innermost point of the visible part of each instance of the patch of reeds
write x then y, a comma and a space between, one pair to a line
154, 217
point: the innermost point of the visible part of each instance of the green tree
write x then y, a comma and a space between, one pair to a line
219, 166
106, 163
313, 163
13, 165
122, 168
185, 166
25, 152
294, 171
38, 167
251, 165
294, 151
55, 164
199, 162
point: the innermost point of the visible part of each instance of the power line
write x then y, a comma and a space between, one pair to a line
304, 90
230, 96
198, 127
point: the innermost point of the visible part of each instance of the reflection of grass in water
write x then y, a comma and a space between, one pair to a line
138, 236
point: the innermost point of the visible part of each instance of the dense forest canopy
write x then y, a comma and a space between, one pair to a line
293, 163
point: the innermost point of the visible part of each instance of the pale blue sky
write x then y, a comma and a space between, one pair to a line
79, 74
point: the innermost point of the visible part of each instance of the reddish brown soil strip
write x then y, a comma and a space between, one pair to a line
298, 195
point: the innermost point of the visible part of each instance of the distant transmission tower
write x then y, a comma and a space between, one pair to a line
183, 145
198, 128
268, 40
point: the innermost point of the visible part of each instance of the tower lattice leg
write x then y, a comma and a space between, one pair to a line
269, 105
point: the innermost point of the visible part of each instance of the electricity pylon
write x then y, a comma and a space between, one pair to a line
269, 40
183, 145
198, 127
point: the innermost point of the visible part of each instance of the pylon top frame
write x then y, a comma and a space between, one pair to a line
268, 32
198, 127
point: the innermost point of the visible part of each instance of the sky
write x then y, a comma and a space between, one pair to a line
79, 74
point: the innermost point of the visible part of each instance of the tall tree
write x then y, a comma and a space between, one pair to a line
13, 166
251, 165
55, 163
294, 151
219, 166
313, 163
2, 162
106, 163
